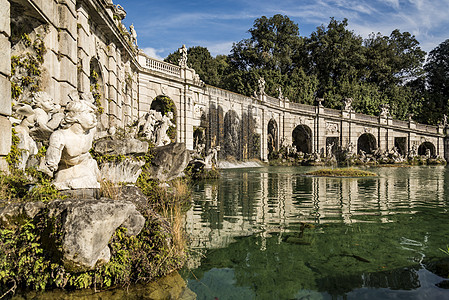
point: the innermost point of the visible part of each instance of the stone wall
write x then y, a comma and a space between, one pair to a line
5, 86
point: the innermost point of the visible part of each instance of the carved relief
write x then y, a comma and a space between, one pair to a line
331, 128
198, 110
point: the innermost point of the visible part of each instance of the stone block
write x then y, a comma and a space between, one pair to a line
5, 56
67, 21
5, 136
68, 71
48, 9
67, 45
4, 167
5, 13
5, 100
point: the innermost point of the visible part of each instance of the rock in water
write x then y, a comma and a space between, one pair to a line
88, 225
169, 161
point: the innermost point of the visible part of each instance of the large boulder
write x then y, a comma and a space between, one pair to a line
169, 161
88, 225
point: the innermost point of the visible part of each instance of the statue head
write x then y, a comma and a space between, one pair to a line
44, 101
81, 112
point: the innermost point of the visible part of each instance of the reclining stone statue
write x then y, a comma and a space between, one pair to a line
68, 152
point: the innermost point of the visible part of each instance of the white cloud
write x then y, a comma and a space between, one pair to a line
152, 52
219, 48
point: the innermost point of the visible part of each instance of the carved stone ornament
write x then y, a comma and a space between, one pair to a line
367, 130
331, 128
198, 110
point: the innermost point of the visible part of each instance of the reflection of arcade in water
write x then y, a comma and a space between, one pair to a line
243, 203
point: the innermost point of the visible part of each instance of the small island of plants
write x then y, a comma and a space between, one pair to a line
341, 172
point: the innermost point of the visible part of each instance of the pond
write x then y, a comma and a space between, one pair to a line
272, 233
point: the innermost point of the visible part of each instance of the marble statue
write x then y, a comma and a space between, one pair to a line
347, 104
329, 150
384, 110
68, 157
183, 59
211, 159
162, 137
47, 116
261, 83
153, 126
26, 144
133, 33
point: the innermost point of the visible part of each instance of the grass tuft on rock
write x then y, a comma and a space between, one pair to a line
341, 172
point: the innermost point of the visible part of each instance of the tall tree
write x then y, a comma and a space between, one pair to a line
273, 45
437, 71
336, 58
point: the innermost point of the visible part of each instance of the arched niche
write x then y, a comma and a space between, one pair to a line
366, 143
422, 149
232, 133
272, 136
302, 138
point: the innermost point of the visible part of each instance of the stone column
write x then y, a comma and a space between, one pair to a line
5, 85
83, 51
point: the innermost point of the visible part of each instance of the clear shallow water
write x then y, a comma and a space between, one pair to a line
271, 233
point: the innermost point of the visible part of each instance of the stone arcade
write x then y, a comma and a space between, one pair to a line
58, 47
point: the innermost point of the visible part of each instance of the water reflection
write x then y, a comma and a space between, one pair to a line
272, 233
247, 201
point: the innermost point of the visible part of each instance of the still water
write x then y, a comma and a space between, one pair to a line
272, 233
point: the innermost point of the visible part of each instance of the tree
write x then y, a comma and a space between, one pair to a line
336, 57
210, 69
273, 45
437, 69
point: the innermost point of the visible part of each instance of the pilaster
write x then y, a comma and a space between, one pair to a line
5, 85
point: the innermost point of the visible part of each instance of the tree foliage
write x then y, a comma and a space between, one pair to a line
333, 63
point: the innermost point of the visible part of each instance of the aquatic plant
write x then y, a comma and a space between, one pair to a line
341, 172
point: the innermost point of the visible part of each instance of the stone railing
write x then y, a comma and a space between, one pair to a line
332, 112
161, 66
368, 118
272, 100
302, 107
427, 128
225, 94
400, 123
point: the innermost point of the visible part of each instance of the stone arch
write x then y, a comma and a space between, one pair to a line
232, 133
422, 149
165, 105
302, 138
272, 136
367, 143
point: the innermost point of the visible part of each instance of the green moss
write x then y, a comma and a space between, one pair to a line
341, 172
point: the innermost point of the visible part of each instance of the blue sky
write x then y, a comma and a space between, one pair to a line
164, 26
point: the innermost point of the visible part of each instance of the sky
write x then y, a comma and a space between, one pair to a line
164, 26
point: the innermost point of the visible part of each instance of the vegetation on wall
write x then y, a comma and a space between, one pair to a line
95, 89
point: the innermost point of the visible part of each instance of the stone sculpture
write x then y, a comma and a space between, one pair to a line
384, 110
261, 83
183, 59
347, 104
68, 151
37, 121
153, 126
133, 33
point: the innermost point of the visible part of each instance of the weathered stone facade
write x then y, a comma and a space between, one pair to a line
82, 45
